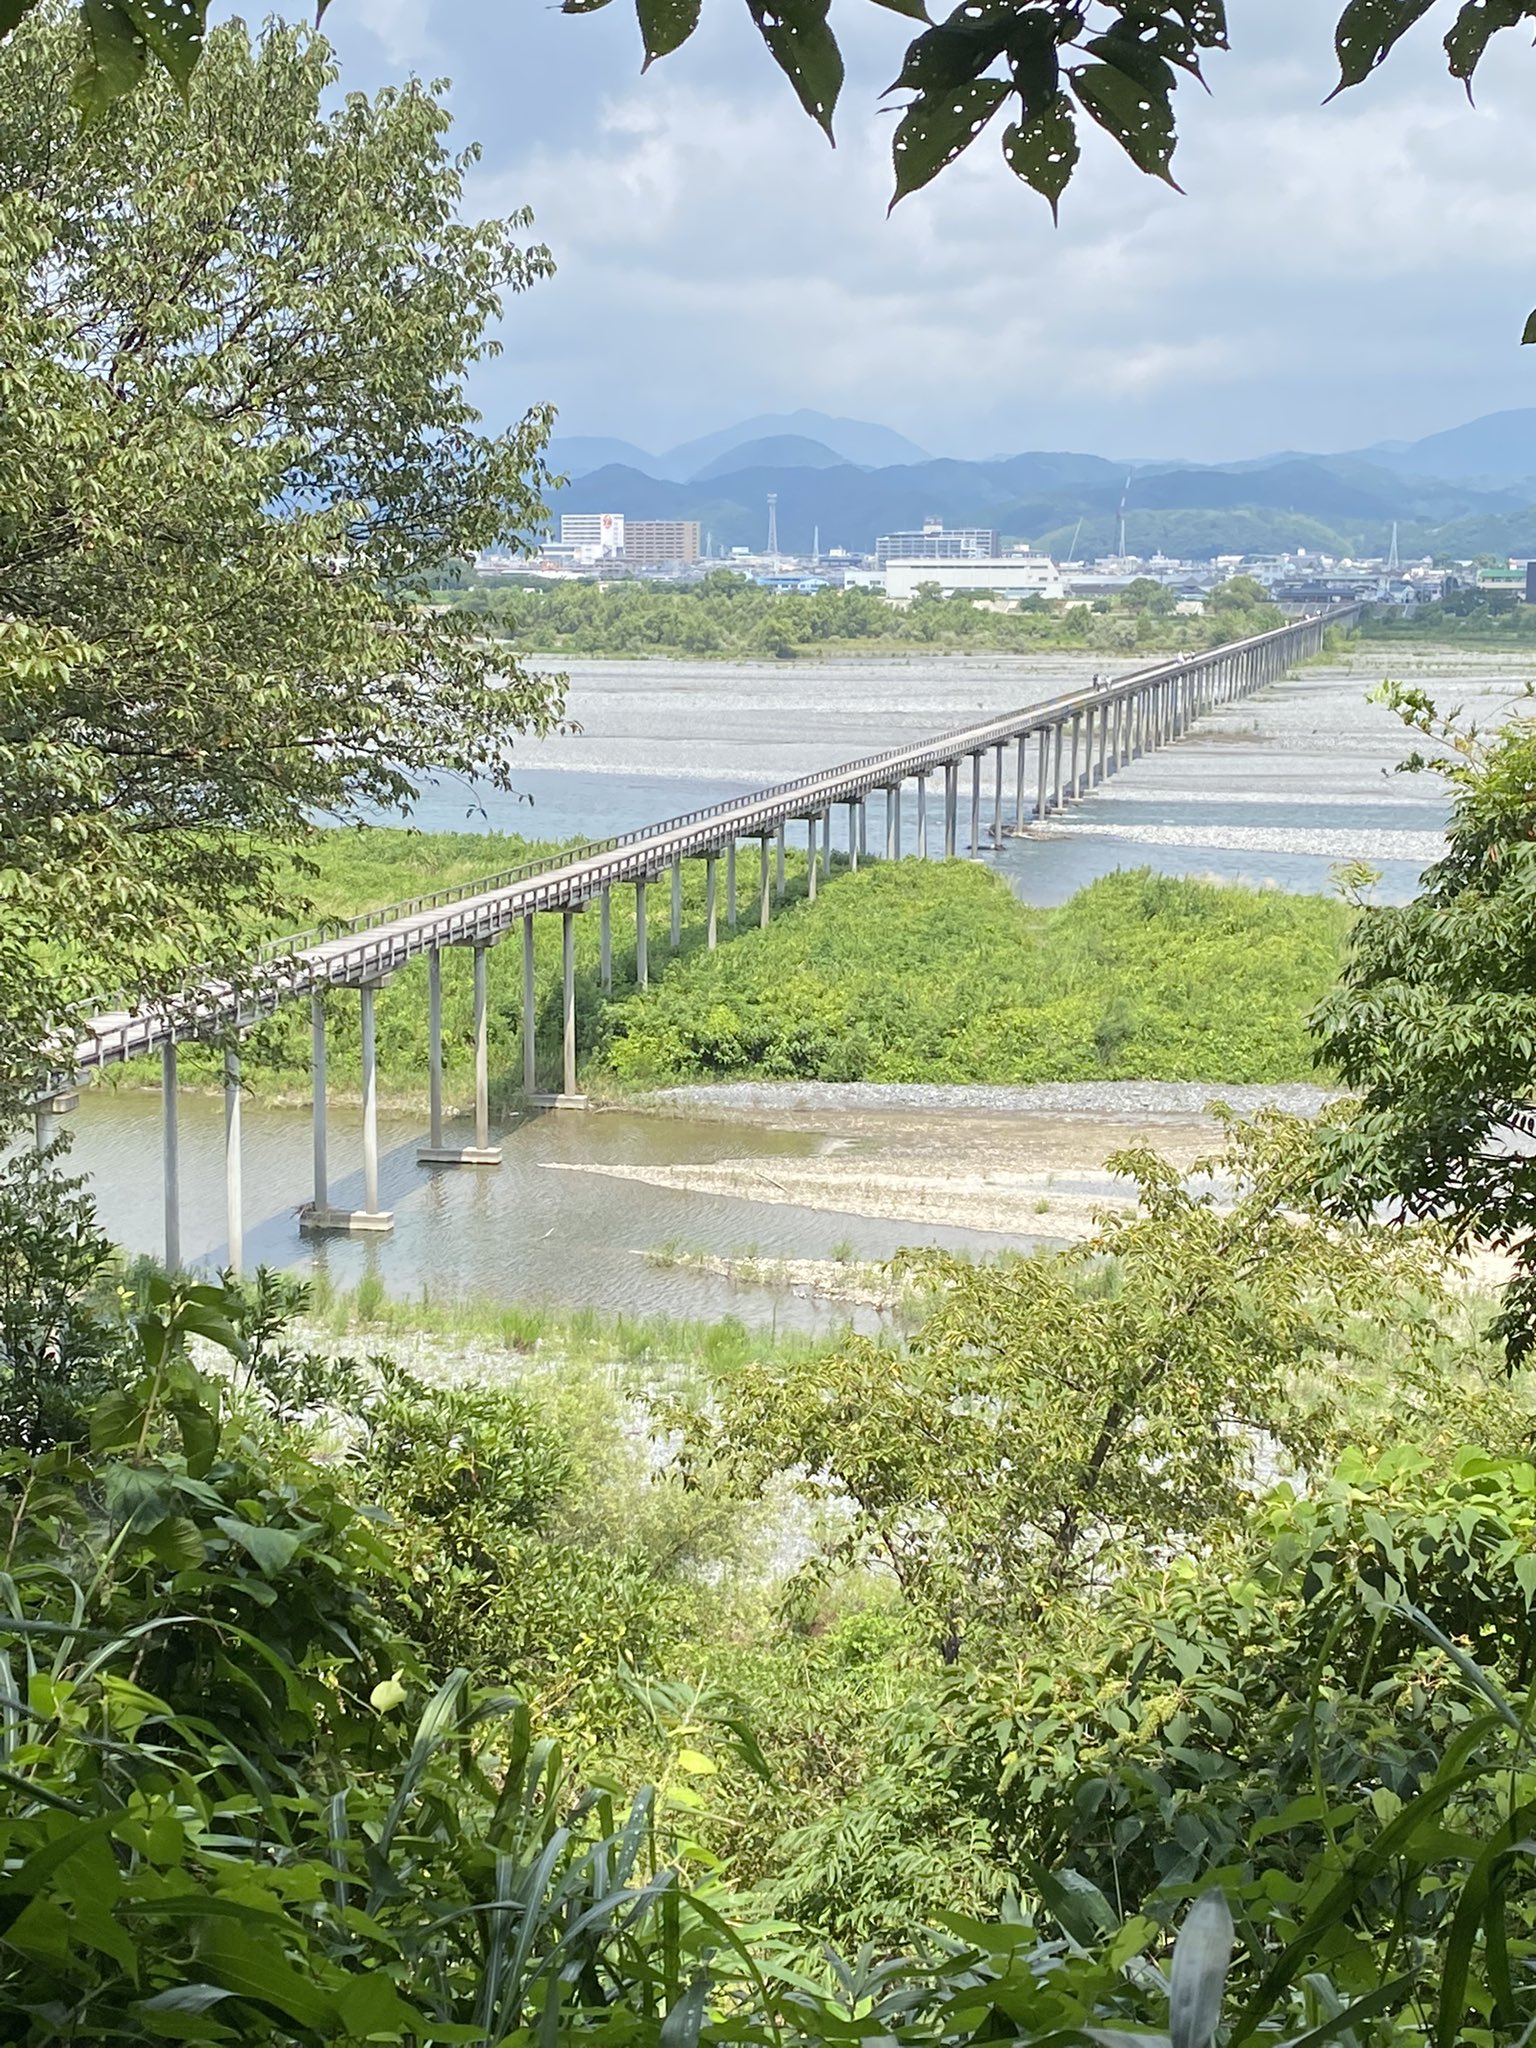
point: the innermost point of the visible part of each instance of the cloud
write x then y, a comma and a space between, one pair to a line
1334, 275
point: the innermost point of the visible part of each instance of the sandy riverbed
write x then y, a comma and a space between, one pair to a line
1023, 1163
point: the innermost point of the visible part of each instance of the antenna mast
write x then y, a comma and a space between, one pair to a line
773, 525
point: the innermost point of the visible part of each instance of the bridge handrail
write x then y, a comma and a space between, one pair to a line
898, 762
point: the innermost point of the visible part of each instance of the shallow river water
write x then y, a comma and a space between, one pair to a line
1274, 792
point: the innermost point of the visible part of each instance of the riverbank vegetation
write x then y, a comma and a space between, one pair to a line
909, 971
729, 617
555, 1702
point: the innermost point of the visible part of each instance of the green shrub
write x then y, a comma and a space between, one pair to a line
936, 972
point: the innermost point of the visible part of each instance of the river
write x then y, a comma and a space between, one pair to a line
1273, 792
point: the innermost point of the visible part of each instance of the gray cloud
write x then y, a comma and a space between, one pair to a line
1335, 275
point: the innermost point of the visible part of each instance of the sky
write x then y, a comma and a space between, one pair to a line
1332, 276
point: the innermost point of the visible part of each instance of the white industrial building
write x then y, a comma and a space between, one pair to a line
1007, 576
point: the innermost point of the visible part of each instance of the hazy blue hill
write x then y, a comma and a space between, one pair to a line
1342, 504
1499, 447
778, 451
580, 454
861, 442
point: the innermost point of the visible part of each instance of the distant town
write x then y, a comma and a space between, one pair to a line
940, 560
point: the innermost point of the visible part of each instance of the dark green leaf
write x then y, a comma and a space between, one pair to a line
272, 1549
938, 126
957, 51
1135, 55
913, 9
1043, 151
665, 25
1528, 335
1140, 119
173, 30
1475, 27
805, 50
111, 59
1366, 32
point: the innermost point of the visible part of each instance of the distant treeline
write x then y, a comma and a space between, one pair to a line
1467, 615
728, 616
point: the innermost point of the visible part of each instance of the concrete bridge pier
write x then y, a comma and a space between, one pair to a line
568, 1098
1043, 769
976, 806
922, 817
642, 956
1021, 751
951, 805
605, 942
854, 808
530, 1011
826, 841
997, 800
810, 858
864, 827
170, 1157
730, 877
46, 1113
482, 1152
1075, 781
318, 1217
711, 911
893, 821
675, 936
778, 855
234, 1219
1058, 735
765, 876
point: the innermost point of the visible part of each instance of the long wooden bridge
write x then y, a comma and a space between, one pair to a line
1061, 750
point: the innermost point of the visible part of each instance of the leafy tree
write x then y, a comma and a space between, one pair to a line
1434, 1020
1057, 1418
1145, 594
235, 330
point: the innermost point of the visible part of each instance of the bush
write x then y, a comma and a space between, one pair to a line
936, 972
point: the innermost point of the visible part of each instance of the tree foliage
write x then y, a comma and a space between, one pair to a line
1056, 1418
1434, 1019
234, 333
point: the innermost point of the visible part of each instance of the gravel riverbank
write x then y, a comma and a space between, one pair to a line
1096, 1099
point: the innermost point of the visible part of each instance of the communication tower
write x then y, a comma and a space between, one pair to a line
773, 523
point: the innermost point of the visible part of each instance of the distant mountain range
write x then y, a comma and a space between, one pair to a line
1471, 489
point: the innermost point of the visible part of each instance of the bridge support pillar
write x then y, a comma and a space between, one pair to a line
1042, 777
892, 822
951, 805
482, 1152
730, 883
853, 836
642, 954
46, 1114
170, 1157
810, 858
975, 806
778, 856
864, 827
1057, 738
826, 841
764, 874
234, 1219
530, 1011
922, 817
1022, 749
711, 912
605, 942
1077, 740
676, 933
997, 801
318, 1218
568, 992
